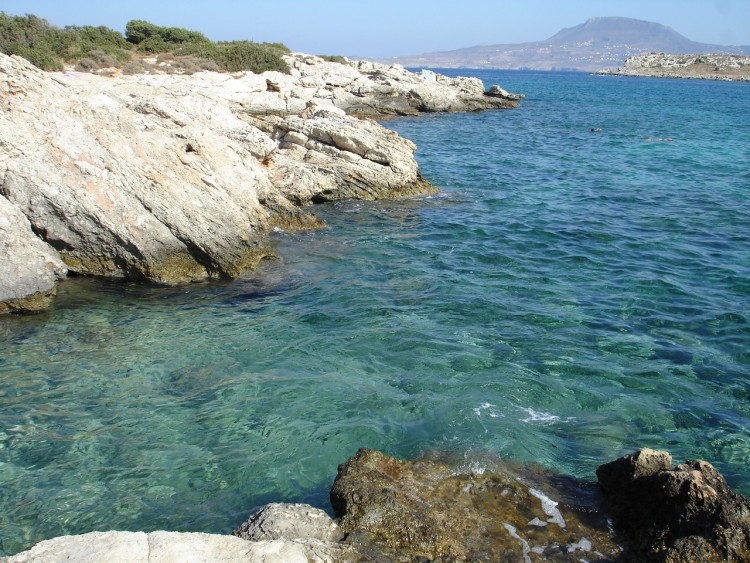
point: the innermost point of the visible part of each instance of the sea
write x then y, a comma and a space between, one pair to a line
579, 289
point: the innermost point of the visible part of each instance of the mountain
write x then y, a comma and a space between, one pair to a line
598, 44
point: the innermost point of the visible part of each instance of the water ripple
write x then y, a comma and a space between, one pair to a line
571, 296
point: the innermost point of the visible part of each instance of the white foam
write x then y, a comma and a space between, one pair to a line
549, 507
537, 417
477, 469
514, 533
541, 417
478, 410
490, 408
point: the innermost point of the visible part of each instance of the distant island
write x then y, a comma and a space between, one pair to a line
702, 67
597, 45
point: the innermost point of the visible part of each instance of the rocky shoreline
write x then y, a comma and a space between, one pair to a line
174, 179
700, 67
438, 509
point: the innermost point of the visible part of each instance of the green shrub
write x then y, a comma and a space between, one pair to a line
151, 38
93, 48
137, 31
86, 65
234, 56
280, 48
136, 66
88, 40
40, 57
334, 59
48, 46
246, 55
34, 39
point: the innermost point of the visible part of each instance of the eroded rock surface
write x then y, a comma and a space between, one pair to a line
175, 179
683, 513
289, 521
174, 547
30, 267
396, 510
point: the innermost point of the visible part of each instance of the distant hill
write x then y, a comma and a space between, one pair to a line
599, 44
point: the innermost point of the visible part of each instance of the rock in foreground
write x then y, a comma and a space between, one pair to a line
441, 509
430, 509
683, 513
173, 547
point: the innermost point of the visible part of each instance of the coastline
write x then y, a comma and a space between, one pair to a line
156, 540
732, 68
438, 508
171, 179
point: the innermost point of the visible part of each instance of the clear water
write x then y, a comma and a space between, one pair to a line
572, 296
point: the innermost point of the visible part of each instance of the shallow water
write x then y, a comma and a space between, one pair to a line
571, 296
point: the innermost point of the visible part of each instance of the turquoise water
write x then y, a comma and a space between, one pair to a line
570, 297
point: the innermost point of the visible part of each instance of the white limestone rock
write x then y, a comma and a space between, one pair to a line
174, 547
29, 267
289, 521
174, 178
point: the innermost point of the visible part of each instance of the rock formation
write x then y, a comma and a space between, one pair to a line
173, 179
289, 521
438, 509
705, 67
431, 510
27, 262
683, 513
173, 547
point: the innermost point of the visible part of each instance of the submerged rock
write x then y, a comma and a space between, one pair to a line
683, 513
174, 179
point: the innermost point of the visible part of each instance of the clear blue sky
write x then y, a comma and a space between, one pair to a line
384, 28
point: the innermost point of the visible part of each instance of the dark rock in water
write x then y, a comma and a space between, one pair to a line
433, 510
683, 513
438, 509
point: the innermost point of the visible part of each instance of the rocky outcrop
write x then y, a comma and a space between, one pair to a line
683, 513
432, 510
30, 267
175, 179
289, 521
441, 509
705, 67
375, 90
173, 547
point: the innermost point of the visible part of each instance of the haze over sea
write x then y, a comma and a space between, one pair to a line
573, 295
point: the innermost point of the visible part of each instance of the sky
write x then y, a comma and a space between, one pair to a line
388, 28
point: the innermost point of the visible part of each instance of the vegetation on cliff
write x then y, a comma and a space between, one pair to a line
90, 48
